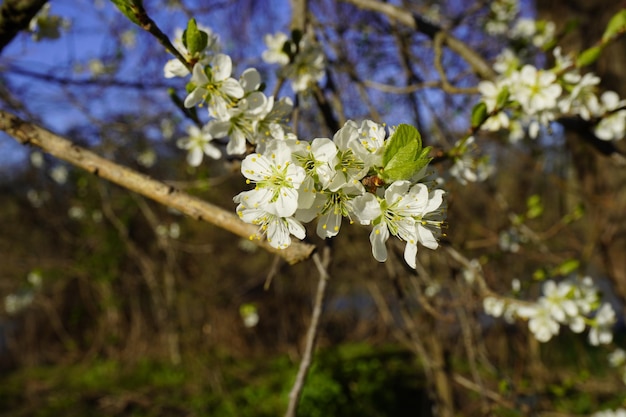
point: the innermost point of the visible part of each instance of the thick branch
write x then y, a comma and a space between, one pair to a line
15, 15
30, 134
478, 64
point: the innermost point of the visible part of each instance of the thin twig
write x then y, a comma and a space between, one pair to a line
307, 357
146, 23
440, 38
478, 64
30, 134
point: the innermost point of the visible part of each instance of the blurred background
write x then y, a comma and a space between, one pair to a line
113, 305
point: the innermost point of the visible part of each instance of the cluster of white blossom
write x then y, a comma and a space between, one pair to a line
522, 32
302, 60
237, 108
534, 97
501, 14
538, 33
572, 303
525, 97
469, 167
363, 173
297, 181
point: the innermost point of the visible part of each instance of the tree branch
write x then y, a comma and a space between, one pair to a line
307, 357
15, 15
478, 64
30, 134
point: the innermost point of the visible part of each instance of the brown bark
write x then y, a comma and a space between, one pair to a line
15, 15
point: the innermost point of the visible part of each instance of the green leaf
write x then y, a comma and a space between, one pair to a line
502, 99
588, 56
540, 274
403, 156
616, 25
129, 9
567, 267
479, 114
194, 39
535, 207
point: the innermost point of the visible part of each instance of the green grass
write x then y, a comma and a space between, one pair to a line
354, 380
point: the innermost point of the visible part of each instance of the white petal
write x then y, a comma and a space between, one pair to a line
255, 167
410, 253
194, 157
287, 202
195, 97
222, 67
328, 225
250, 79
366, 208
278, 234
378, 238
296, 228
237, 144
306, 193
426, 237
175, 68
212, 151
232, 88
199, 78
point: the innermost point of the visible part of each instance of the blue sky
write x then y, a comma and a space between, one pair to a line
94, 33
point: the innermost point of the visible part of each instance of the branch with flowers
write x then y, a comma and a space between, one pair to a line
378, 176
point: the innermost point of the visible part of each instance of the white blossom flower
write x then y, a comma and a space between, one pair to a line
535, 90
468, 168
198, 144
214, 84
612, 126
506, 62
275, 53
539, 33
557, 298
489, 94
581, 99
59, 174
147, 158
175, 68
274, 124
277, 229
617, 357
37, 159
240, 122
76, 213
472, 271
351, 168
502, 13
308, 64
601, 331
401, 213
493, 306
277, 180
319, 159
369, 142
540, 321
